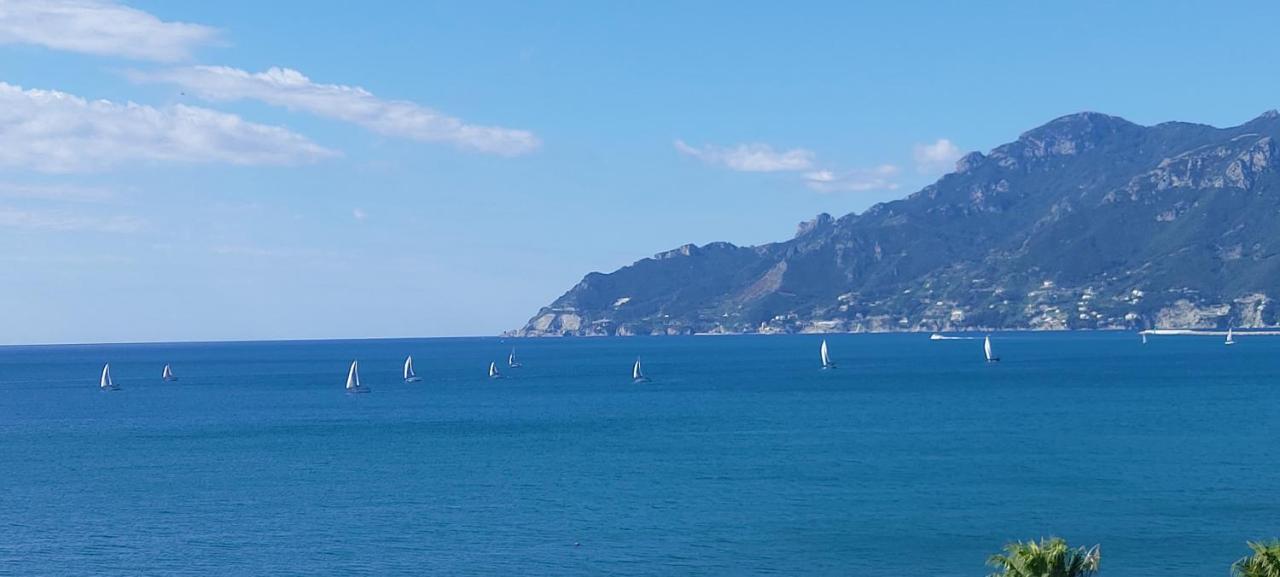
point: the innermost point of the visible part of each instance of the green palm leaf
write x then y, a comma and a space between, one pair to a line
1264, 562
1047, 558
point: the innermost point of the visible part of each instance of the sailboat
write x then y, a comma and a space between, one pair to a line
637, 375
493, 371
986, 350
167, 374
105, 383
1230, 341
511, 359
1144, 337
409, 376
353, 379
826, 358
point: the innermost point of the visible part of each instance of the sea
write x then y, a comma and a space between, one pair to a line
740, 457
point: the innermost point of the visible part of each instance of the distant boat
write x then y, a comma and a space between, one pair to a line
353, 379
1230, 341
637, 375
493, 371
937, 337
1144, 337
826, 358
409, 375
105, 383
167, 374
511, 359
986, 350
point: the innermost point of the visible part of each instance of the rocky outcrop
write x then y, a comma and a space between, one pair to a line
1184, 314
1087, 222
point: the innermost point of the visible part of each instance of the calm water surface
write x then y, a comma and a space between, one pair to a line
740, 458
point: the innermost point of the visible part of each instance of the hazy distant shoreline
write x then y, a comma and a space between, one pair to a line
1209, 332
968, 333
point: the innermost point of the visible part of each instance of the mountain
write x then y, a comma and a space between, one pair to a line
1087, 222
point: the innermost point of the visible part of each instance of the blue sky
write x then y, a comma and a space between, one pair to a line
257, 170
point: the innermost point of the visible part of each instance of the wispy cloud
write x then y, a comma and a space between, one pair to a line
293, 90
67, 259
62, 221
248, 250
52, 131
359, 214
99, 27
754, 157
763, 158
266, 252
857, 180
940, 156
55, 192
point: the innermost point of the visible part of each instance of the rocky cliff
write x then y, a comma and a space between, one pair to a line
1087, 222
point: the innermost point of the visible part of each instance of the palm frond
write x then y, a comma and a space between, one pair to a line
1050, 557
1264, 562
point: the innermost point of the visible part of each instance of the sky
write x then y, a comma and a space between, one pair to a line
175, 171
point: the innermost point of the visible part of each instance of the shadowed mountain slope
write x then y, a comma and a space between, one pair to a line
1090, 221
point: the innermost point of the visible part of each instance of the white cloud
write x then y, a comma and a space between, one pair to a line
99, 27
763, 158
359, 214
52, 131
56, 192
941, 156
266, 252
63, 221
750, 157
397, 118
246, 250
858, 180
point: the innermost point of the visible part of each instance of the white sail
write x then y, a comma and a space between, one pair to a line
105, 383
493, 370
408, 369
1230, 341
986, 349
511, 359
353, 376
167, 373
1144, 337
826, 358
636, 373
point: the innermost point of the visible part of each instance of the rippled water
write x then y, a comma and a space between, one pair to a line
740, 458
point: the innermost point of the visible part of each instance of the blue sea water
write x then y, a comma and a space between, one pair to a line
740, 458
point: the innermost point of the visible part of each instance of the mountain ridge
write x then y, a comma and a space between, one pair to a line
1088, 221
